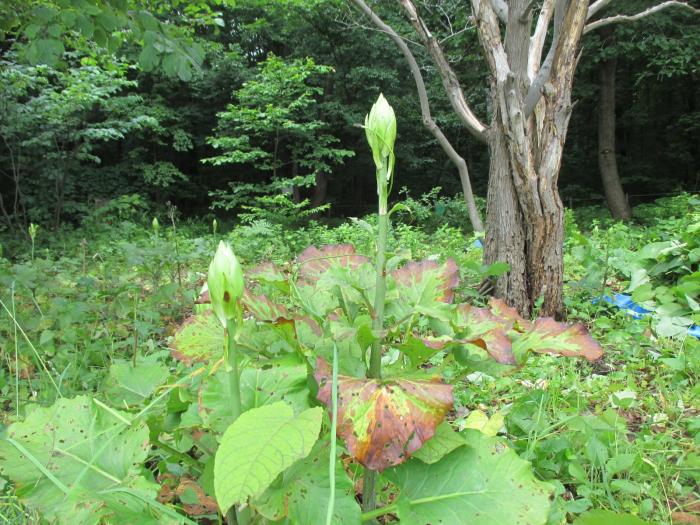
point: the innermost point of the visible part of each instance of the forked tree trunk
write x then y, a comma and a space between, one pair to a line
525, 212
607, 160
531, 101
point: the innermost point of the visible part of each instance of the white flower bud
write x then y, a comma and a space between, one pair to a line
225, 283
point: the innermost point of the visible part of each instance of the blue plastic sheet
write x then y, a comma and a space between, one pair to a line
477, 243
636, 311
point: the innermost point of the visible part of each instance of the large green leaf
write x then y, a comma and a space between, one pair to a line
384, 421
480, 483
258, 446
131, 385
606, 517
303, 491
442, 443
283, 379
77, 462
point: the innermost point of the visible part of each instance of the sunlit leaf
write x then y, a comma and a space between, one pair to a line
259, 445
487, 330
425, 282
268, 273
423, 288
606, 517
262, 308
384, 421
198, 338
509, 314
479, 483
133, 385
78, 462
442, 443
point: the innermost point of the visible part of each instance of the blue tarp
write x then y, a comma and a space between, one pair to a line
625, 302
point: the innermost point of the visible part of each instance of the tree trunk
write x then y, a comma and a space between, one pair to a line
525, 230
607, 160
505, 236
320, 190
525, 225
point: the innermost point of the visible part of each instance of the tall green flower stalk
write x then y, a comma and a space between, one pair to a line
225, 283
380, 127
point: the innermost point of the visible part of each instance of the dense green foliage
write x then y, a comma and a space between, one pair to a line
620, 434
342, 367
189, 82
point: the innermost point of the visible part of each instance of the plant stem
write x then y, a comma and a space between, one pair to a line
375, 358
234, 386
369, 495
334, 427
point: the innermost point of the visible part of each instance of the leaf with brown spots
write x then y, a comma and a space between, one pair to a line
262, 308
426, 282
479, 483
384, 421
314, 262
198, 338
547, 336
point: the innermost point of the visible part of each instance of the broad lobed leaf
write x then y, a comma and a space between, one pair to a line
384, 421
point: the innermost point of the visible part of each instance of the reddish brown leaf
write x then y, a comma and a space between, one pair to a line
384, 421
167, 494
508, 313
314, 262
265, 271
439, 279
549, 336
685, 518
488, 331
262, 308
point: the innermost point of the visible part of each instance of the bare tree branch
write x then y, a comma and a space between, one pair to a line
428, 120
535, 92
501, 9
537, 40
597, 6
447, 74
630, 18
